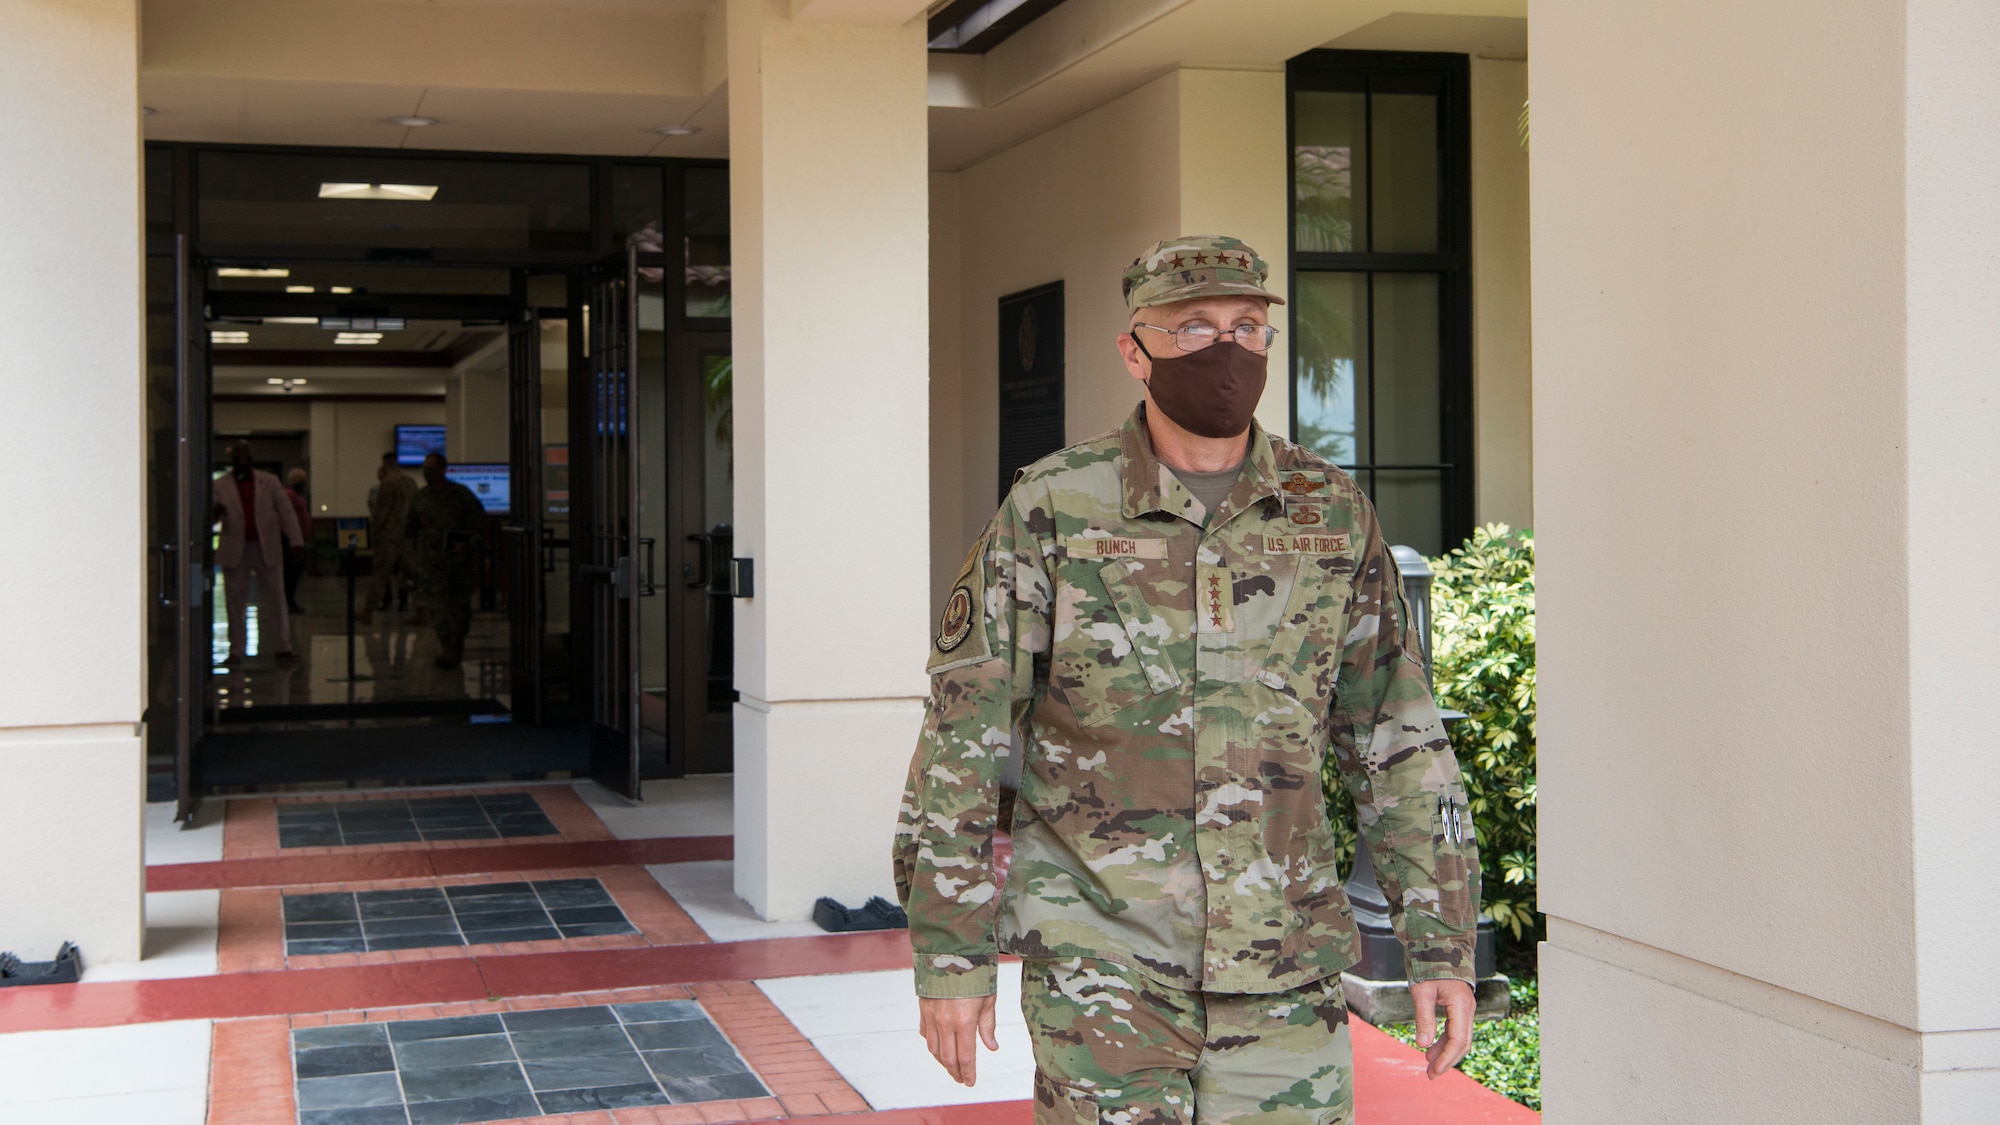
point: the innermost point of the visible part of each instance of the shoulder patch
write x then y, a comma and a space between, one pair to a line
962, 634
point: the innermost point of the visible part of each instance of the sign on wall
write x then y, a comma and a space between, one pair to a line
1031, 378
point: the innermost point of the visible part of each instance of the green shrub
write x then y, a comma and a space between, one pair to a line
1483, 657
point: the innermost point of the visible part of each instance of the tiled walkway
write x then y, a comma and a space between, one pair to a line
304, 968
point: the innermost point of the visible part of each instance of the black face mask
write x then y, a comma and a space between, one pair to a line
1211, 393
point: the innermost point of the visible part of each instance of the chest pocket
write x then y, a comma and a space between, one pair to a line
1110, 647
1304, 658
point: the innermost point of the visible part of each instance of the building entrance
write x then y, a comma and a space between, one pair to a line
572, 616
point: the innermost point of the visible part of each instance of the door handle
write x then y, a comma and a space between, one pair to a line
548, 549
646, 589
702, 575
166, 575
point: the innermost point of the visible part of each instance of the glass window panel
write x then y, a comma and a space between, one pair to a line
707, 241
1406, 368
718, 439
1404, 172
1410, 504
159, 191
1330, 386
636, 207
264, 198
1330, 156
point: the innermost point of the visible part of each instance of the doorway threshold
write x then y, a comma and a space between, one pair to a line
247, 761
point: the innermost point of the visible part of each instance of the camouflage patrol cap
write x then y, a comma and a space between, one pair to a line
1196, 265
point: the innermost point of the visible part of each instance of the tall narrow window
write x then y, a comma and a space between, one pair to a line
1381, 302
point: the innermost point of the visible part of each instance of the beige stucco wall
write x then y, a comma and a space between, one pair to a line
1503, 432
72, 588
1763, 460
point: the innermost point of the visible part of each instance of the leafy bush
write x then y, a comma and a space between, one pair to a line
1506, 1055
1483, 659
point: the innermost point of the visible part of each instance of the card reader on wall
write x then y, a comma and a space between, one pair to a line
742, 578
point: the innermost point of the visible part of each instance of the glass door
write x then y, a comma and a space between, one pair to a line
526, 532
605, 528
194, 521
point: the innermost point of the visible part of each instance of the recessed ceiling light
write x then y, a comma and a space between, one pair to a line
244, 271
408, 193
340, 288
358, 338
228, 337
413, 121
313, 320
677, 130
275, 382
298, 288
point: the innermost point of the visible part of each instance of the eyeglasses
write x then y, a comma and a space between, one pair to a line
1195, 337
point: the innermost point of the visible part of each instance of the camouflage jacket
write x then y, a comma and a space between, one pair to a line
1175, 683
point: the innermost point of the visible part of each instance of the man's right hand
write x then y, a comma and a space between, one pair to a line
948, 1026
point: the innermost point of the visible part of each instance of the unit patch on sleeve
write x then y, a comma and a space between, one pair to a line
956, 623
962, 630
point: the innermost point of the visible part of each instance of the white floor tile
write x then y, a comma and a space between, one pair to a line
707, 891
866, 1026
181, 927
857, 1003
702, 805
168, 842
151, 1072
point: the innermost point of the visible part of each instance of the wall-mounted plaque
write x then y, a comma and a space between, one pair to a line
1031, 378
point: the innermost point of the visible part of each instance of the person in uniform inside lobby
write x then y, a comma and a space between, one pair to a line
388, 528
259, 530
447, 528
1180, 624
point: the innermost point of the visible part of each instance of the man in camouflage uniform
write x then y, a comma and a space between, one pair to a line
1177, 623
388, 521
447, 528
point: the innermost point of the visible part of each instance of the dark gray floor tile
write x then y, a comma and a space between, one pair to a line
695, 1062
683, 1033
404, 908
463, 1110
488, 890
572, 1042
307, 814
321, 931
448, 1083
712, 1089
309, 837
581, 914
408, 1031
427, 924
600, 1097
403, 894
501, 919
654, 1011
480, 833
320, 908
349, 1090
512, 800
372, 1115
572, 892
577, 1074
314, 947
598, 929
356, 839
502, 937
340, 1035
388, 942
549, 1019
328, 1062
467, 1050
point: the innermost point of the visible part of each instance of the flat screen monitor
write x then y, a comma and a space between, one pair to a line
488, 482
414, 443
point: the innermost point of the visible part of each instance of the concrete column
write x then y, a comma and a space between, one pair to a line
829, 207
72, 674
1765, 478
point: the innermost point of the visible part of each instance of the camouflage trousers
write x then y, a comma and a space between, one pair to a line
1115, 1046
447, 587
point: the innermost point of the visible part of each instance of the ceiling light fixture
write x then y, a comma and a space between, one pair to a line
298, 288
340, 288
364, 323
412, 121
275, 382
312, 320
228, 337
358, 338
677, 130
245, 271
407, 193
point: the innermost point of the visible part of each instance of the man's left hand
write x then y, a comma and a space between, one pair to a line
1456, 998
